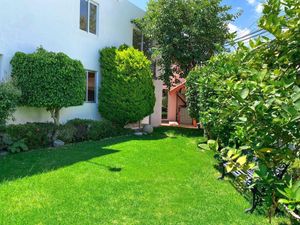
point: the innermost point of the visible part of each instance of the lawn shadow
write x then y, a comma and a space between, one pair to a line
110, 168
15, 166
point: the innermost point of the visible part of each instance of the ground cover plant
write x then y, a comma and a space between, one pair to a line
157, 179
39, 135
254, 113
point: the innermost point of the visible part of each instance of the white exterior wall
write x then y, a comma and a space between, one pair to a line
157, 113
54, 24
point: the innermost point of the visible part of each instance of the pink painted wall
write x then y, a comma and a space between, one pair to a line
173, 103
172, 106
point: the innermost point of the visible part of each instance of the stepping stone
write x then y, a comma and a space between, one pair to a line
139, 133
58, 143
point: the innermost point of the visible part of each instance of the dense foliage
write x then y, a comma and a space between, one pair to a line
185, 33
9, 97
78, 130
34, 135
192, 93
127, 91
22, 137
249, 101
50, 80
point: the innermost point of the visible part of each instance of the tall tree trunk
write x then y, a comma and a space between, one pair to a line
55, 114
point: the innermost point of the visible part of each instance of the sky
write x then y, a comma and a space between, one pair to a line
245, 24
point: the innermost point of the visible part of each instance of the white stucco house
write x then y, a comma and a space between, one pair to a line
79, 28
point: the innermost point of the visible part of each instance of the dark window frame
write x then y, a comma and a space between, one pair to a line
88, 72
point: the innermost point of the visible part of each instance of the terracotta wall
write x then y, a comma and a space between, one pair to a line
172, 103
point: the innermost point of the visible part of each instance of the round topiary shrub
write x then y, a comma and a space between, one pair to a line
127, 91
50, 80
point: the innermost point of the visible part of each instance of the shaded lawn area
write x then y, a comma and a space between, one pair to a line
157, 179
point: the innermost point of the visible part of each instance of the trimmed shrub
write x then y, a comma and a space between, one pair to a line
79, 128
105, 129
127, 91
50, 80
35, 135
38, 135
86, 130
66, 133
9, 97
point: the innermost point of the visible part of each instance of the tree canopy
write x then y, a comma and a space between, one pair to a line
50, 80
185, 33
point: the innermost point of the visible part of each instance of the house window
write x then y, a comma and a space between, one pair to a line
91, 86
137, 40
88, 16
140, 42
164, 109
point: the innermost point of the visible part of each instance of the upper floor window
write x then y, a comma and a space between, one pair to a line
140, 42
88, 16
137, 39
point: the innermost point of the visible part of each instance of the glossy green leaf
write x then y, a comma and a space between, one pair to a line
245, 93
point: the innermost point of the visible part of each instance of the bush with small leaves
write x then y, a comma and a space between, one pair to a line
9, 97
49, 80
127, 91
249, 101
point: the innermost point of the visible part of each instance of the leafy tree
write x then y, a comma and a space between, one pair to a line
185, 33
9, 97
192, 94
127, 90
50, 80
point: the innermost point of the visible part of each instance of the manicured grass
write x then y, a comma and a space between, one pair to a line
157, 179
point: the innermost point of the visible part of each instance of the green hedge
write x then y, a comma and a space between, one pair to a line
249, 102
127, 90
38, 135
35, 135
78, 130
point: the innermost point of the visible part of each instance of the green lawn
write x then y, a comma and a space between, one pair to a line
157, 179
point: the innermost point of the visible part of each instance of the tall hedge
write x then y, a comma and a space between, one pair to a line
250, 103
127, 90
9, 97
50, 80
